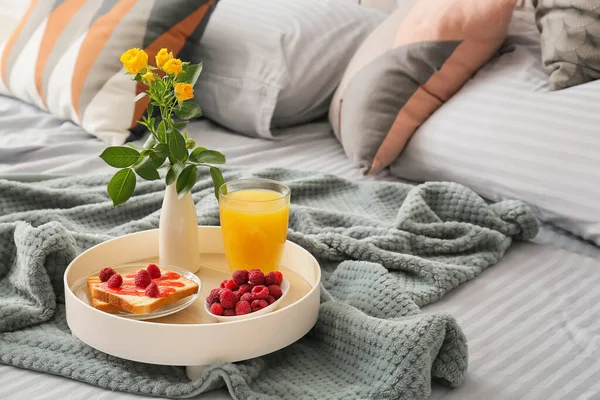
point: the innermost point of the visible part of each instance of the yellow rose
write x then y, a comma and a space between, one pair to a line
149, 77
173, 66
162, 57
134, 60
184, 91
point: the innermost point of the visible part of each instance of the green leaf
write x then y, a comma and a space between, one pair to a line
186, 180
151, 122
147, 169
194, 155
162, 150
150, 142
179, 125
140, 96
209, 157
158, 161
188, 111
120, 156
177, 147
197, 70
217, 178
121, 186
150, 109
162, 131
190, 74
174, 172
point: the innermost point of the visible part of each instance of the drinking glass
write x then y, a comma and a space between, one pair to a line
254, 222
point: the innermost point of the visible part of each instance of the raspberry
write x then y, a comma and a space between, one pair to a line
260, 292
154, 271
222, 285
213, 296
228, 298
270, 279
231, 285
275, 291
242, 307
142, 279
247, 297
259, 305
279, 277
217, 309
228, 312
271, 299
115, 281
106, 273
245, 288
152, 290
240, 277
256, 277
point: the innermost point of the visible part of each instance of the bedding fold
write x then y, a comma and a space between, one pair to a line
386, 249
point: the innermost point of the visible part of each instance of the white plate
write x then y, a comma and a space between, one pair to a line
285, 288
81, 291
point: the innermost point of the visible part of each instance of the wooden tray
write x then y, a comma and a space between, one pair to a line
191, 337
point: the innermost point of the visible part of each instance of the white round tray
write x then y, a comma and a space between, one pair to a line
191, 337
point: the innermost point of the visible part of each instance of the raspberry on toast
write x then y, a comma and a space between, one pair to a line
128, 297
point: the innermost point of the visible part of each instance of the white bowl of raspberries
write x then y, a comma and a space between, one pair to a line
247, 294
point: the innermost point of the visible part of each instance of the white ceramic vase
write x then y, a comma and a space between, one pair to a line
178, 232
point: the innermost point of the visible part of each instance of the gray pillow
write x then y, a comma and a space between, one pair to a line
275, 63
506, 135
570, 39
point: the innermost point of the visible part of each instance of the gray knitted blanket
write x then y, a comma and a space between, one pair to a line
386, 249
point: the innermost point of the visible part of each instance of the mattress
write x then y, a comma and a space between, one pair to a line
532, 320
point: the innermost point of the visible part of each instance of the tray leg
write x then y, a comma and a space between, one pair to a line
194, 372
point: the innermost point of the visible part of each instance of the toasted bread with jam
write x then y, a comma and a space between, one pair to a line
128, 297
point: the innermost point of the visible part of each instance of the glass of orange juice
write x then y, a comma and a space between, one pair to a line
254, 222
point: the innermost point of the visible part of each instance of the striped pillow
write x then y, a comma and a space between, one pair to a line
64, 56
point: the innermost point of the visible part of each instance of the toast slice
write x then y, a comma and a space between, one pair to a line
172, 287
101, 305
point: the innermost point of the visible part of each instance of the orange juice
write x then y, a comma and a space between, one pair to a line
254, 223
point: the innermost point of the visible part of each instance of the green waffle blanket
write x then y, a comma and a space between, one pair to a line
386, 249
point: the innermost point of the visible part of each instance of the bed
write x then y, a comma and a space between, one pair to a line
531, 320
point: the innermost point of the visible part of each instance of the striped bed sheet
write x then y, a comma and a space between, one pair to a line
532, 322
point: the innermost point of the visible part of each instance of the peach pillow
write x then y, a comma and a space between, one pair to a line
418, 58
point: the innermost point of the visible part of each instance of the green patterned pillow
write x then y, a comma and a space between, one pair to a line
570, 39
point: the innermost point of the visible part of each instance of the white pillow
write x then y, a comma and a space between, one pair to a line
275, 63
507, 136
